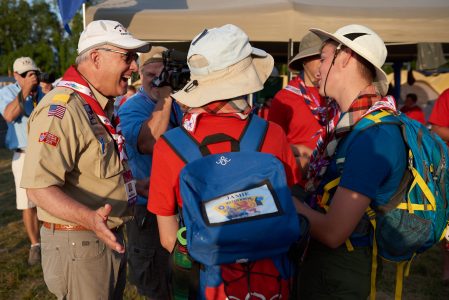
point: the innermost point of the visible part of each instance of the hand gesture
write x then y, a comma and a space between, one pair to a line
99, 226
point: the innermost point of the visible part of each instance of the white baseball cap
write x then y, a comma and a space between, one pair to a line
24, 64
223, 65
106, 32
365, 43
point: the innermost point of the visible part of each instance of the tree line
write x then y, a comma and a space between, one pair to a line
33, 28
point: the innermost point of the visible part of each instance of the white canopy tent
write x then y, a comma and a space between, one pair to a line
277, 25
396, 21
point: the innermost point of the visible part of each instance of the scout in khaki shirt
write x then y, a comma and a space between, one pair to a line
76, 170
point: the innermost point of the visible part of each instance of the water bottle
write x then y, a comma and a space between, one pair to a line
181, 267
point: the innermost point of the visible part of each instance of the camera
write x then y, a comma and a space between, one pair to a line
46, 77
175, 73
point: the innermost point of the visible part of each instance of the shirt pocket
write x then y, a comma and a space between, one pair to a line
108, 164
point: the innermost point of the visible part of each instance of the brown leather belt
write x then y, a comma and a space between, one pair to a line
64, 227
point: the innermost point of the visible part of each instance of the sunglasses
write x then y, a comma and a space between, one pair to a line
129, 56
24, 74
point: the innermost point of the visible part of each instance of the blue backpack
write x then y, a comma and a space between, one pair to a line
237, 206
417, 215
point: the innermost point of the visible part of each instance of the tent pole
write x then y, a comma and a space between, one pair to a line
289, 56
84, 15
397, 67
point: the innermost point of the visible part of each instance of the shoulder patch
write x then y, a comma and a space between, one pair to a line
49, 138
64, 98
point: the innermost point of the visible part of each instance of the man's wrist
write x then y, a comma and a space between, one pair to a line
21, 101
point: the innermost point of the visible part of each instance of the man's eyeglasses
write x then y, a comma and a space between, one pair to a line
129, 56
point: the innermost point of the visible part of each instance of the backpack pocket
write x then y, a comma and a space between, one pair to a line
400, 234
262, 279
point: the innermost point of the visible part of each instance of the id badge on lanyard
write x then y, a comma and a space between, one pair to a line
130, 187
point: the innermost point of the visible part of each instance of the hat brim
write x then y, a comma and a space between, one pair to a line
243, 78
380, 81
133, 44
295, 63
124, 43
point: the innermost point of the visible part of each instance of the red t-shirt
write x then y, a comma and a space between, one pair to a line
414, 113
440, 111
164, 181
290, 111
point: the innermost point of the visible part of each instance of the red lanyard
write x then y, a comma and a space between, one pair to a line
73, 80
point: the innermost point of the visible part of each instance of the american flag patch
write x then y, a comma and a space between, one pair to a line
56, 111
49, 138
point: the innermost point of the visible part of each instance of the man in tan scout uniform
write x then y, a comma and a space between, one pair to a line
76, 170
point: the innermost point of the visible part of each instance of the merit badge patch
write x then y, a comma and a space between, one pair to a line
90, 114
49, 138
56, 111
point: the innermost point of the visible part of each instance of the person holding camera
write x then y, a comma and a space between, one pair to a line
144, 117
17, 101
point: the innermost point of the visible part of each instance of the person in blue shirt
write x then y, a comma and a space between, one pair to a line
143, 119
374, 162
17, 101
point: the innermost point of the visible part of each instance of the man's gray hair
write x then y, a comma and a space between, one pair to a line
82, 57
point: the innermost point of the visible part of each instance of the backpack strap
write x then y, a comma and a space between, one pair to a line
183, 144
188, 149
254, 134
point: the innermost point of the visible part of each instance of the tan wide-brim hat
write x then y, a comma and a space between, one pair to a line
310, 46
365, 43
223, 66
155, 55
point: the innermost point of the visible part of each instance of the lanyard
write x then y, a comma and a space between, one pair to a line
73, 80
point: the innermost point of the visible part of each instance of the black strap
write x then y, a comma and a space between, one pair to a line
218, 138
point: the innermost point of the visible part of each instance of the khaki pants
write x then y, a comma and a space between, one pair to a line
78, 265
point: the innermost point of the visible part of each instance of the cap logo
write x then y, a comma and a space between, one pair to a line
200, 36
354, 35
121, 29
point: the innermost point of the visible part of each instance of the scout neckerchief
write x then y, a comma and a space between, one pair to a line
319, 111
326, 114
73, 80
238, 108
367, 102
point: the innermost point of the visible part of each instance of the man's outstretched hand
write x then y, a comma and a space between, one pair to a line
99, 226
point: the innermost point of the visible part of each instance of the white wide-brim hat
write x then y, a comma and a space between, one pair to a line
223, 65
365, 43
107, 32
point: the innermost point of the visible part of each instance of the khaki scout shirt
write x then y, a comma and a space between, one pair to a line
70, 148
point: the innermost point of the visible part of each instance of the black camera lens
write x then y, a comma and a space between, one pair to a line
47, 77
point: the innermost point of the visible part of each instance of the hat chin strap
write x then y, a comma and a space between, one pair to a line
337, 50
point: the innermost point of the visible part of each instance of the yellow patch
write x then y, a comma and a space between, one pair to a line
61, 98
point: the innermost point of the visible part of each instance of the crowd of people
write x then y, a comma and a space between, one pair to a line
91, 165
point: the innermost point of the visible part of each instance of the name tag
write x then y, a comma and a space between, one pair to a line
130, 187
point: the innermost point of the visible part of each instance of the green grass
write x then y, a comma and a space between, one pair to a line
18, 281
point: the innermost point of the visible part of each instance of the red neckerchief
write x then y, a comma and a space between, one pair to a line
72, 79
238, 108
